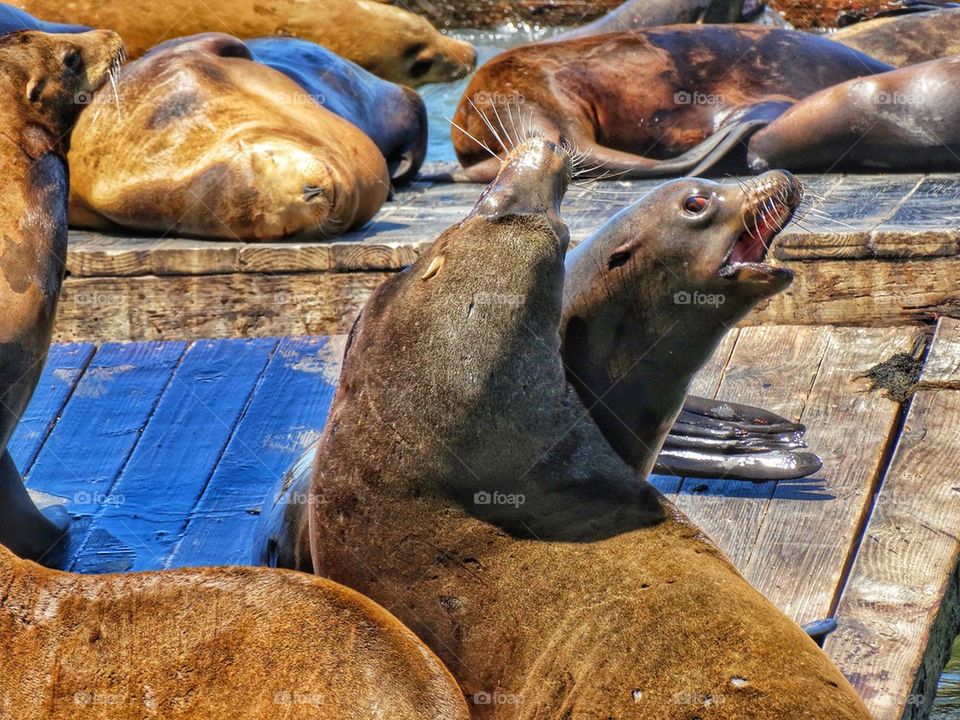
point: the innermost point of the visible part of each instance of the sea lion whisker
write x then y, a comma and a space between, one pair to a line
487, 122
515, 140
481, 144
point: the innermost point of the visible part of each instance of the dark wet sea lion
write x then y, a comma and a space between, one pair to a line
204, 141
645, 307
388, 41
627, 101
905, 39
487, 510
13, 19
42, 74
211, 643
638, 14
393, 116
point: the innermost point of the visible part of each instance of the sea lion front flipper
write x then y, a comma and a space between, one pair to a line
282, 537
25, 529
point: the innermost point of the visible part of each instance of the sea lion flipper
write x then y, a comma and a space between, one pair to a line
24, 528
819, 629
747, 417
750, 466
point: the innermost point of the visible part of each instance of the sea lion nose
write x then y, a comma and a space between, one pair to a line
532, 181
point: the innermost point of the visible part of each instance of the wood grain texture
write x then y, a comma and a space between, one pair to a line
900, 609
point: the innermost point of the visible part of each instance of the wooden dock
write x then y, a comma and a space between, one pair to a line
869, 250
166, 451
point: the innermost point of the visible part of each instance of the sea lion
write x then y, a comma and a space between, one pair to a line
13, 19
904, 40
627, 101
393, 116
204, 141
42, 76
388, 41
487, 510
906, 119
210, 643
638, 14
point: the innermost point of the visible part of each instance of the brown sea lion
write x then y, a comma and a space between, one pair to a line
638, 14
485, 507
14, 19
393, 116
388, 41
42, 76
904, 40
906, 119
627, 101
204, 141
211, 643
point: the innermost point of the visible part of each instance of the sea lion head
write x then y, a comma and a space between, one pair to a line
57, 74
425, 54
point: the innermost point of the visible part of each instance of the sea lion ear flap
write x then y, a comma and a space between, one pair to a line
35, 87
229, 46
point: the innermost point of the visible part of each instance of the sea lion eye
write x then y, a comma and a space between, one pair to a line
73, 61
696, 204
421, 67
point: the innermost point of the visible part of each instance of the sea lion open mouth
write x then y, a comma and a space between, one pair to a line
770, 205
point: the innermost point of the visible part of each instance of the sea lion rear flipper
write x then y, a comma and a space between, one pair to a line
819, 629
25, 529
750, 466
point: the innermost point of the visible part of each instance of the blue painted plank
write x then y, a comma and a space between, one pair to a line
65, 364
286, 414
176, 456
100, 427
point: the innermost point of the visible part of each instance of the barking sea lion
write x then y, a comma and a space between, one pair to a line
210, 643
388, 41
204, 141
634, 103
393, 116
42, 77
485, 508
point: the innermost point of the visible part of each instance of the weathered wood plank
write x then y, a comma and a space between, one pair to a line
212, 306
175, 457
65, 364
774, 368
286, 413
101, 426
808, 532
926, 225
900, 610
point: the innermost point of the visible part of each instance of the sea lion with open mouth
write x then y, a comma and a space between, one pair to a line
42, 77
393, 116
211, 643
203, 141
636, 104
461, 482
388, 41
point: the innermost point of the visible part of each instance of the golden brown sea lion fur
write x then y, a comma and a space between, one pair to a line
904, 40
460, 482
40, 77
388, 41
210, 643
203, 141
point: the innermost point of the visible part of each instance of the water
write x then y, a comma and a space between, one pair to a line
442, 103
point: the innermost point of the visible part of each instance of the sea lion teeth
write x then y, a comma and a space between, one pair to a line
434, 268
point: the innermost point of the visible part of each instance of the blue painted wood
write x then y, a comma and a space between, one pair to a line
65, 364
288, 410
176, 456
100, 427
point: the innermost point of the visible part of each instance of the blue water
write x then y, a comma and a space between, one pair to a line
442, 103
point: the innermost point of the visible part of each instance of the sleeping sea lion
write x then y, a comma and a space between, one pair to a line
628, 101
393, 116
485, 507
211, 643
42, 76
388, 41
903, 120
637, 14
204, 141
904, 40
13, 19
